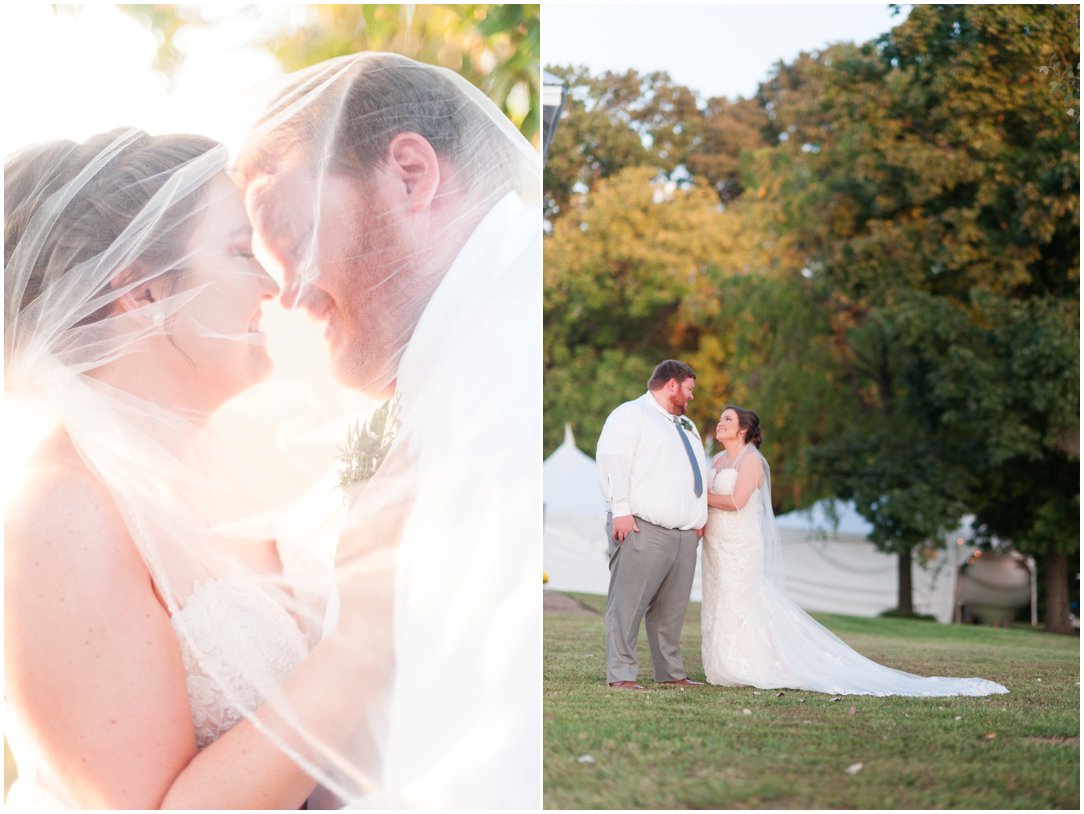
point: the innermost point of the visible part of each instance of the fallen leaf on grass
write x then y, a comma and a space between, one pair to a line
854, 768
989, 736
852, 710
585, 759
959, 717
747, 712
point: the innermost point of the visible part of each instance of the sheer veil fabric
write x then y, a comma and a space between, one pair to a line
403, 209
754, 635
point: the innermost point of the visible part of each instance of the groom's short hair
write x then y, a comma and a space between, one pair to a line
366, 100
670, 369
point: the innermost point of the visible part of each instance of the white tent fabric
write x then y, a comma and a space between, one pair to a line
574, 553
835, 569
830, 567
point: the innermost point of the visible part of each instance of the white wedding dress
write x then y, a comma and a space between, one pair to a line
753, 635
234, 639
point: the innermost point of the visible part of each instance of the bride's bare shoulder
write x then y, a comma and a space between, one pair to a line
61, 523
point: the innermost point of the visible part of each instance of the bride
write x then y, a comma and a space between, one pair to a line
157, 653
752, 633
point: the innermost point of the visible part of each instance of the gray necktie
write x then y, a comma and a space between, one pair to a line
698, 480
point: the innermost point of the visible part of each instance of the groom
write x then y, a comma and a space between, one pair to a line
393, 199
652, 471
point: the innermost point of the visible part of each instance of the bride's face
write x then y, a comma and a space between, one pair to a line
728, 428
218, 329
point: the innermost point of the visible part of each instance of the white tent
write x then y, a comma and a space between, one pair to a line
574, 553
831, 568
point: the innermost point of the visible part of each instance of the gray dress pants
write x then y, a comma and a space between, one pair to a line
651, 574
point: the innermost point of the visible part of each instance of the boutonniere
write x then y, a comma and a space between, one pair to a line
686, 424
367, 444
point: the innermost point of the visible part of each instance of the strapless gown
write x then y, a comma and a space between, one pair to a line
244, 639
753, 635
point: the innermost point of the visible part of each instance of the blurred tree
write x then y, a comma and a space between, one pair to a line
614, 121
729, 130
631, 268
494, 46
951, 169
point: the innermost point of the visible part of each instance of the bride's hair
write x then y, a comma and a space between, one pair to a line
750, 422
348, 110
65, 206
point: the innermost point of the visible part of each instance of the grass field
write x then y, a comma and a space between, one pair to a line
729, 747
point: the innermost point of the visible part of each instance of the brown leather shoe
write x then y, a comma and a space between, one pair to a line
683, 682
626, 685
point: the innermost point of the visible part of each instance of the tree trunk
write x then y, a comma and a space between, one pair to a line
1056, 579
905, 604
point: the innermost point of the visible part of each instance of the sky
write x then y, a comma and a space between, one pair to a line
714, 49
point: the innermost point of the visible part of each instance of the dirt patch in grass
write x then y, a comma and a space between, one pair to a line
557, 602
1070, 740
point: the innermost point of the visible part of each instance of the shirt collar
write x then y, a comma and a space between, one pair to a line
471, 270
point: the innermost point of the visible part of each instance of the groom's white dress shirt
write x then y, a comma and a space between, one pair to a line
644, 469
465, 722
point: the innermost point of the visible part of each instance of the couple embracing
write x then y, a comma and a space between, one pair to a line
664, 499
169, 642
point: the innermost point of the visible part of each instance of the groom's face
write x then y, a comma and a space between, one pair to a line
346, 257
680, 394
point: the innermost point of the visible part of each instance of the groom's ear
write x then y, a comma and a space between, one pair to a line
413, 162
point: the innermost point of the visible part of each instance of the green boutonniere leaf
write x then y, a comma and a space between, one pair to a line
368, 443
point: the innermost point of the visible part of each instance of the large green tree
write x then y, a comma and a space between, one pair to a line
950, 171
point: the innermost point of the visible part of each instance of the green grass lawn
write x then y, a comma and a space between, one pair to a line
732, 747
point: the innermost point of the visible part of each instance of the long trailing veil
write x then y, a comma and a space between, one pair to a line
765, 640
423, 686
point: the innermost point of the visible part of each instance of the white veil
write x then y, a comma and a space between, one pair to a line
404, 211
424, 688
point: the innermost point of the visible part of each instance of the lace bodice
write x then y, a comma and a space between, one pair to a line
235, 640
740, 524
723, 481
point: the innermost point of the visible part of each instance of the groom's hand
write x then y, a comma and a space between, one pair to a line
623, 527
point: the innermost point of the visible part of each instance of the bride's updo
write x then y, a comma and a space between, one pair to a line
750, 424
68, 205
